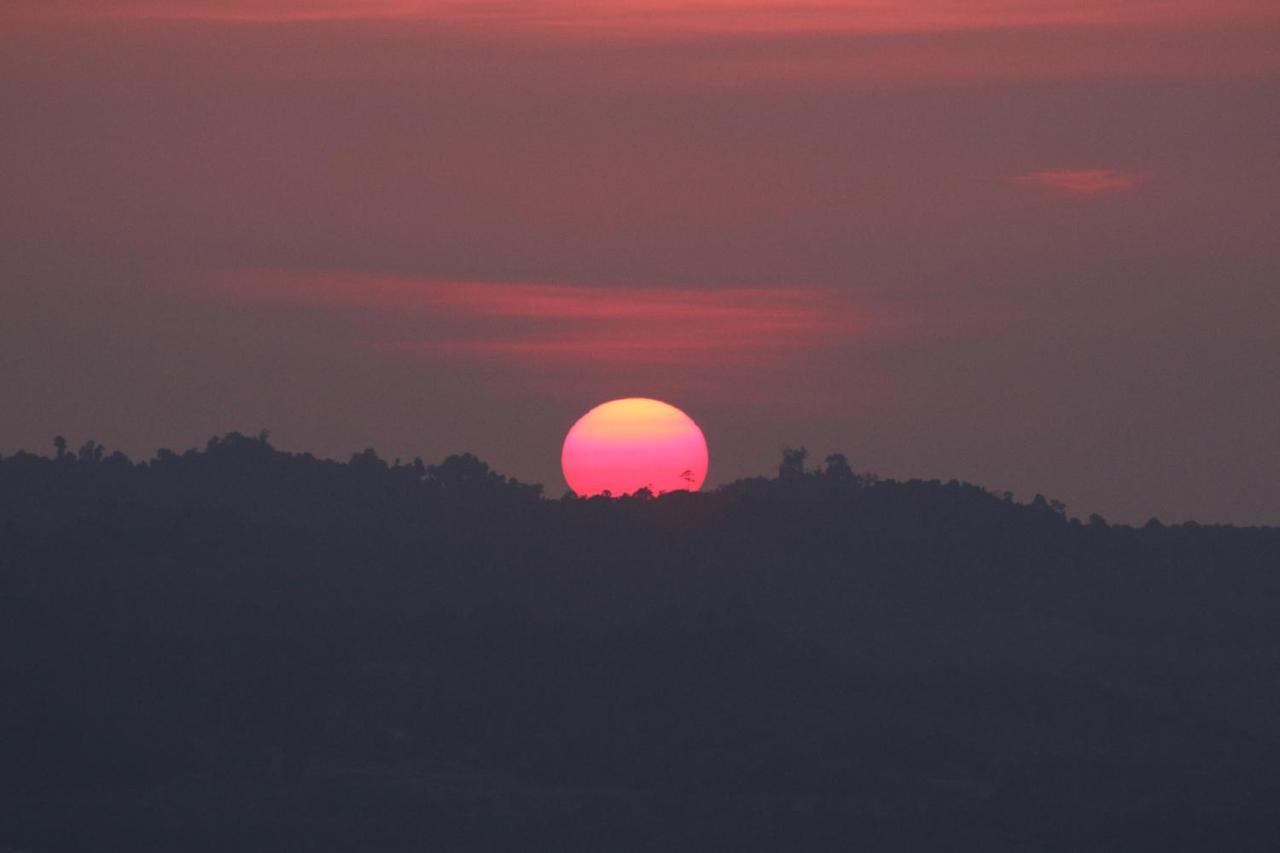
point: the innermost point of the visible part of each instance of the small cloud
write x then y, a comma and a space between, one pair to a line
1083, 183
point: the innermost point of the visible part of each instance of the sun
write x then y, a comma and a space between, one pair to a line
626, 445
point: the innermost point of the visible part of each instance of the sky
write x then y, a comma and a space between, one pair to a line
1031, 245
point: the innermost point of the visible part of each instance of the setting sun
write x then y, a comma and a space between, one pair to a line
626, 445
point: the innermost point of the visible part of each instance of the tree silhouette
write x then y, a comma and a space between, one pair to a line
793, 462
837, 467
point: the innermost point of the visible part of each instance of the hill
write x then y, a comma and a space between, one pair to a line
237, 648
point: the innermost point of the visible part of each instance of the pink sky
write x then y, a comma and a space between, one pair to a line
1027, 244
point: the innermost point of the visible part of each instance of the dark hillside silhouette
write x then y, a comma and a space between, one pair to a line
238, 648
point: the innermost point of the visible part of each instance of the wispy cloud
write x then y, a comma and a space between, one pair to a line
1083, 183
638, 17
677, 44
520, 322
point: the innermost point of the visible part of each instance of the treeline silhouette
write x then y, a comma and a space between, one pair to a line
237, 648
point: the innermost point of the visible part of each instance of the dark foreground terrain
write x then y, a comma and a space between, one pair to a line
243, 650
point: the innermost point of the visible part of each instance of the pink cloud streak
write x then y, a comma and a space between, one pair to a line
574, 323
671, 17
1083, 183
660, 44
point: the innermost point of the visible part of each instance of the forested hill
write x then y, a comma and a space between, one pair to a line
239, 648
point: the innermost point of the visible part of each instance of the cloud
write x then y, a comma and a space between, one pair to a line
655, 44
1083, 183
571, 324
568, 18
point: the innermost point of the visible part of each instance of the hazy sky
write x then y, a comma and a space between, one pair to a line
1028, 244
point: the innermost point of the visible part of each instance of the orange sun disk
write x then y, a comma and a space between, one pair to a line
626, 445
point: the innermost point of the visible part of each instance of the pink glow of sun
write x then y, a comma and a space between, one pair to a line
626, 445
